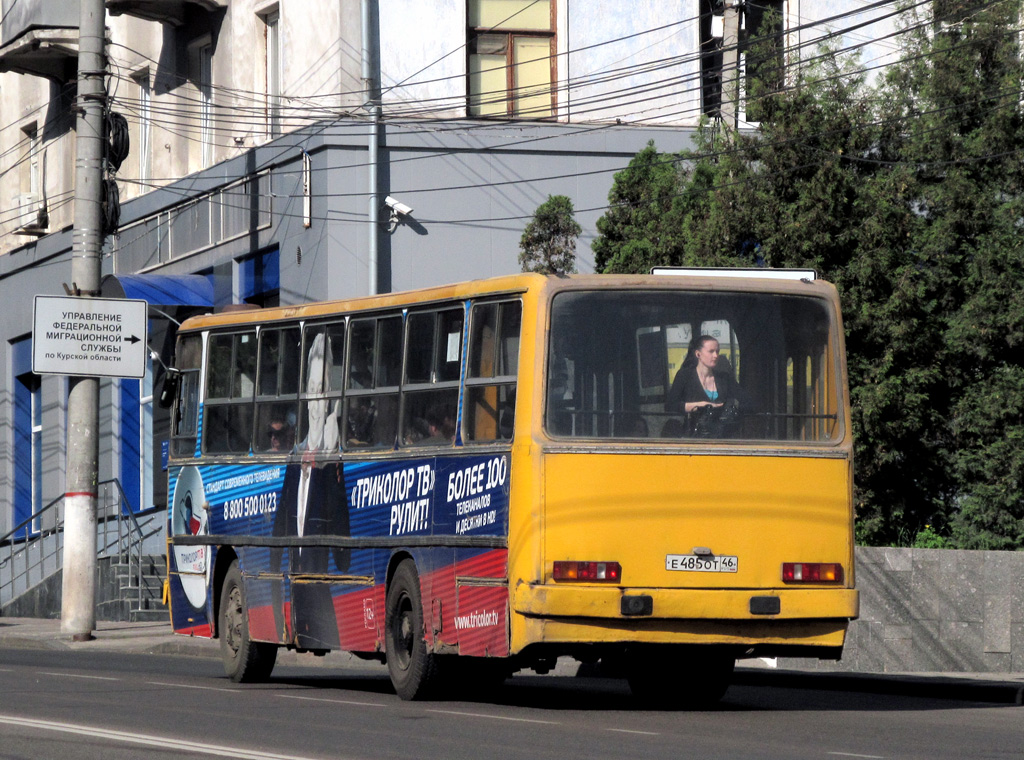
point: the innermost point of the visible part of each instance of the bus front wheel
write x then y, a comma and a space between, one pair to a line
245, 660
414, 671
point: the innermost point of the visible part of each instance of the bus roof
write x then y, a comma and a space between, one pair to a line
766, 273
519, 283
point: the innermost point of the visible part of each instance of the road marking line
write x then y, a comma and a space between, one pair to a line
189, 686
76, 675
496, 717
631, 731
332, 701
151, 740
850, 754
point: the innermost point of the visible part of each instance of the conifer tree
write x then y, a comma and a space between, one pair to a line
548, 244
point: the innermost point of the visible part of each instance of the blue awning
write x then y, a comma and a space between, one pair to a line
161, 289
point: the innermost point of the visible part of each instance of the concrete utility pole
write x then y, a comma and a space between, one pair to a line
731, 64
78, 600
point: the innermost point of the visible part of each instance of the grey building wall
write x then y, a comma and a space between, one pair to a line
473, 187
935, 610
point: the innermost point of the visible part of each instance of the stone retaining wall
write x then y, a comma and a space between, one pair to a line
935, 610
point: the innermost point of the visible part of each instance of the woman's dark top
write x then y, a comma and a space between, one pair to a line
686, 388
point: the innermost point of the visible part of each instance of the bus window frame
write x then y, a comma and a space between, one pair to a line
213, 404
830, 382
187, 399
432, 385
374, 391
335, 397
503, 382
263, 401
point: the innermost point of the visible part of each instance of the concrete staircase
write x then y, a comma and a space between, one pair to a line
120, 597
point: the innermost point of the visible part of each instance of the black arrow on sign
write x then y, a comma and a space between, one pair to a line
132, 339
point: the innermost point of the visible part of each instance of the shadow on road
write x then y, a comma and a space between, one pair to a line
567, 693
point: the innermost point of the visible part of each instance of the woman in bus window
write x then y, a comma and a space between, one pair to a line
703, 387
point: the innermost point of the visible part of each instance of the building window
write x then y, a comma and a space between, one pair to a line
28, 437
29, 167
144, 137
511, 58
259, 279
761, 58
272, 64
28, 204
761, 61
136, 453
206, 103
711, 32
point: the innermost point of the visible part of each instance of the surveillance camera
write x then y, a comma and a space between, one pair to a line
397, 206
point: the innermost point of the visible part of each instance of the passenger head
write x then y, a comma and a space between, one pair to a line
440, 423
281, 434
705, 349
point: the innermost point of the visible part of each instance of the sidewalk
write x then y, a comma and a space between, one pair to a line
156, 638
136, 638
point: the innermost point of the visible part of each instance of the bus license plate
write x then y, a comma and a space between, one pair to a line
701, 564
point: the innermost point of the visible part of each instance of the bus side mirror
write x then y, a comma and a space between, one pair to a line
172, 379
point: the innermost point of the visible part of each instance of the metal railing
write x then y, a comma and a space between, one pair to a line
29, 554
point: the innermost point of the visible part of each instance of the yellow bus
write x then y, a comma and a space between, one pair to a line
653, 472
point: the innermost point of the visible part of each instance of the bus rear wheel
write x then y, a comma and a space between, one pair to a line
414, 671
669, 679
245, 660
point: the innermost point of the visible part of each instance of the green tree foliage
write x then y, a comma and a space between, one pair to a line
548, 244
642, 226
910, 198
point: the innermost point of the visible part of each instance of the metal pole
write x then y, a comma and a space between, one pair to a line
78, 598
372, 104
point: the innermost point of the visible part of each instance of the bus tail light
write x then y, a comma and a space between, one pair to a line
605, 572
812, 572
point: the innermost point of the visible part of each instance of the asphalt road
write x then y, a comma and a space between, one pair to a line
75, 705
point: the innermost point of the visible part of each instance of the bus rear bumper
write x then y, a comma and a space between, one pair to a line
569, 619
581, 601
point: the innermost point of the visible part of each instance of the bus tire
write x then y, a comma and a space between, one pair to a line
245, 660
414, 671
666, 679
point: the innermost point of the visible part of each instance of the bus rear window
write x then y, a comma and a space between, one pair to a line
679, 365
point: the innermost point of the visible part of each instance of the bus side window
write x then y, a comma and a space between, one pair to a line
230, 382
278, 383
186, 415
431, 389
491, 375
321, 400
371, 398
